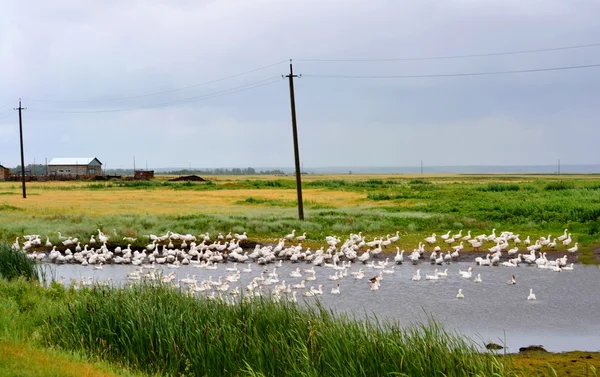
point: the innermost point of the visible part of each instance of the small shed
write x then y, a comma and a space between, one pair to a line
143, 174
4, 173
75, 167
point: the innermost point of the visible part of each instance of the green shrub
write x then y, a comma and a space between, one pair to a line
559, 185
499, 187
379, 196
419, 181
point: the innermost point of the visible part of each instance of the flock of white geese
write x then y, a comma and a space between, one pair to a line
173, 250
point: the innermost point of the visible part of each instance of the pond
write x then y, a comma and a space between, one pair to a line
564, 317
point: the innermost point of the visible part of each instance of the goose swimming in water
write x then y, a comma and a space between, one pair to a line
512, 281
531, 295
460, 294
417, 276
335, 290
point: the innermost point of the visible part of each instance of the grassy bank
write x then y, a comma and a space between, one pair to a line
24, 308
158, 330
265, 207
24, 360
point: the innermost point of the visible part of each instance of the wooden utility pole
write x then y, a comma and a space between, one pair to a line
559, 166
296, 152
22, 153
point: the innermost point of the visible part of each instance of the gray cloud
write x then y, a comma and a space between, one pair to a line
92, 50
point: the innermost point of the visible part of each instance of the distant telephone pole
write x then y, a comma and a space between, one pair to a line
296, 152
559, 166
421, 167
22, 153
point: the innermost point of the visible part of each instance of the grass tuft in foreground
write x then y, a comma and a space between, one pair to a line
15, 264
158, 329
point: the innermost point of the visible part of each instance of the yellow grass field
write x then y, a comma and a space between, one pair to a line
161, 201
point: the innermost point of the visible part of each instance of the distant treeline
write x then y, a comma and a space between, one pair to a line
37, 169
40, 169
219, 171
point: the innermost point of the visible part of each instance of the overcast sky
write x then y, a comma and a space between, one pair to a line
102, 51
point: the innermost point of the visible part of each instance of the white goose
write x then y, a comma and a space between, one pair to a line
467, 237
399, 258
573, 249
531, 295
335, 290
432, 277
466, 274
460, 294
478, 278
564, 236
296, 273
291, 235
299, 285
431, 239
417, 276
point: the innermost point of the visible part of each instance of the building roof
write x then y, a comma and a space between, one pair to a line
73, 161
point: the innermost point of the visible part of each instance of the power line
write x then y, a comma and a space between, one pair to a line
455, 56
7, 114
450, 74
237, 89
7, 103
161, 92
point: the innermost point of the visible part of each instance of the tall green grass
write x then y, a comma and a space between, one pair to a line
157, 329
499, 187
559, 185
15, 264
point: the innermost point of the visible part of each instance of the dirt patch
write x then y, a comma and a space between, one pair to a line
538, 348
188, 178
597, 254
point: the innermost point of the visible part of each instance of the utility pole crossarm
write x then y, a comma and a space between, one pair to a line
296, 151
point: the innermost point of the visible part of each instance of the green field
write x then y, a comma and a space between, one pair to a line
265, 207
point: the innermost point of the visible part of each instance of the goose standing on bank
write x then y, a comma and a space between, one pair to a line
564, 236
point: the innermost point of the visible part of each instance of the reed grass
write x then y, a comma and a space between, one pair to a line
15, 264
158, 329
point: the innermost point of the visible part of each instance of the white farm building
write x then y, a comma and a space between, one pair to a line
75, 167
